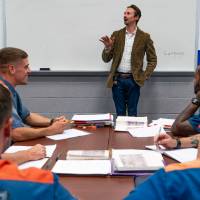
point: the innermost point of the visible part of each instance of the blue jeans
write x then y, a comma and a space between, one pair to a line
126, 93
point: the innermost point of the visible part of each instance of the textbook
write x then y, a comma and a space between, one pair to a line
87, 155
134, 160
94, 119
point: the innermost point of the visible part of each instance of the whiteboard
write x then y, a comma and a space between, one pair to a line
64, 34
2, 23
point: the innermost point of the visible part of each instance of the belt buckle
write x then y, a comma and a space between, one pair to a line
125, 75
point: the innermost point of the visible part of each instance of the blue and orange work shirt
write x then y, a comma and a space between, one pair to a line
30, 184
176, 182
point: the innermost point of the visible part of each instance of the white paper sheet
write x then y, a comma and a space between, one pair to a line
70, 133
180, 155
147, 131
36, 163
82, 167
49, 149
163, 122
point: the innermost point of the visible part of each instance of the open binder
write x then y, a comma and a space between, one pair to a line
122, 162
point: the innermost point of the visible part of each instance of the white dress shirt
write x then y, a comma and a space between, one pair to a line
125, 64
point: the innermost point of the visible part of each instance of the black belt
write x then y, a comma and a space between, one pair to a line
123, 75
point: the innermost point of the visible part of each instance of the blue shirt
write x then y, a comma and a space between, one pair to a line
19, 111
178, 184
194, 120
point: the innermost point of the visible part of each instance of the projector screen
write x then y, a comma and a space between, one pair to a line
63, 35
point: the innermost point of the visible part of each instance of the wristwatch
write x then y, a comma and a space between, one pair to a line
178, 143
196, 101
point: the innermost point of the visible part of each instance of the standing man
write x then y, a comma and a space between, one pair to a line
127, 48
14, 71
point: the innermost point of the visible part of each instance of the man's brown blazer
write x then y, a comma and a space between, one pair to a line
142, 45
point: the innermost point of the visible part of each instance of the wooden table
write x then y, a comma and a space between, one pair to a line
95, 187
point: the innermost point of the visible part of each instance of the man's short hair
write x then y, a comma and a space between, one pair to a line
5, 104
10, 55
137, 11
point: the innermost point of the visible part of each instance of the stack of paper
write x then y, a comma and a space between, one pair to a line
87, 155
96, 119
136, 160
125, 123
147, 131
180, 155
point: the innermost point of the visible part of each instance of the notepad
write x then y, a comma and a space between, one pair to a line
136, 160
82, 167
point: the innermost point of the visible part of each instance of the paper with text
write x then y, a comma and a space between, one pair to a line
136, 160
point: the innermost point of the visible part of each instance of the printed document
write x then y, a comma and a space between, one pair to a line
136, 160
87, 155
129, 123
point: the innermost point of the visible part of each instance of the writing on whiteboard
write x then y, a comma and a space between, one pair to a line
173, 53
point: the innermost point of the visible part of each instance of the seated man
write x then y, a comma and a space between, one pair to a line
30, 183
34, 153
14, 70
187, 123
175, 182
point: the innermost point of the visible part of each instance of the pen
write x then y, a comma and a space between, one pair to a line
157, 138
110, 153
87, 127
